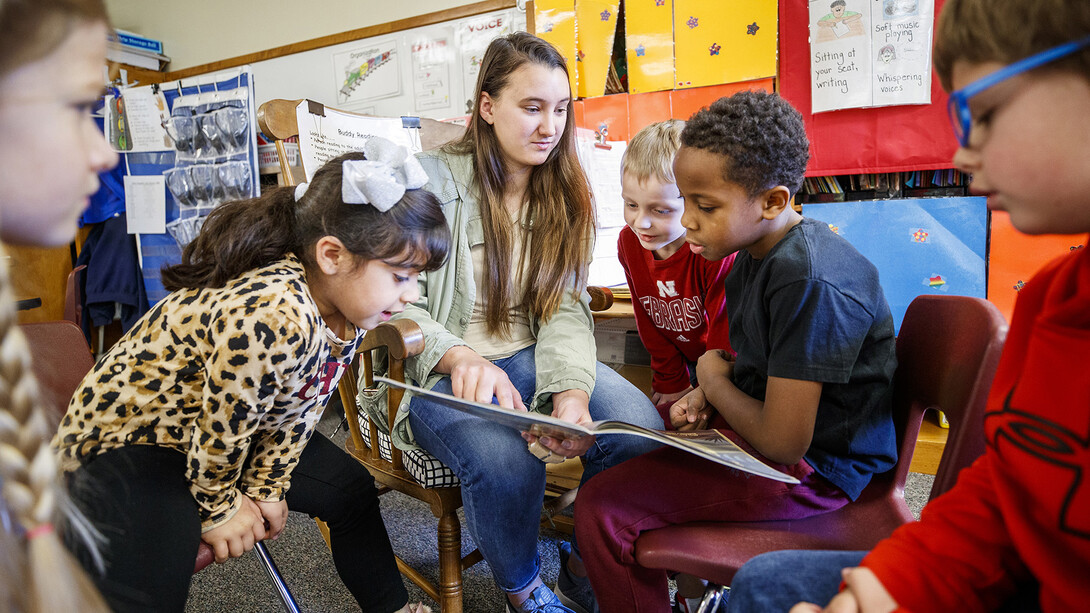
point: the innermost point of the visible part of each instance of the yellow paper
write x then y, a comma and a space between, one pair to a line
596, 25
554, 21
649, 44
724, 41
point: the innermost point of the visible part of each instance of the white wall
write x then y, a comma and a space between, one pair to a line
196, 32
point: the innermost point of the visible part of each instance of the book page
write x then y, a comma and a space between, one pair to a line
708, 444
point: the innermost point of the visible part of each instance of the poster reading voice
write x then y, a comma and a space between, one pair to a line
367, 73
472, 39
868, 53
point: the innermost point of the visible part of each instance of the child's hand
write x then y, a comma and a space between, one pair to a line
691, 412
275, 515
715, 364
474, 378
237, 535
571, 406
658, 399
863, 593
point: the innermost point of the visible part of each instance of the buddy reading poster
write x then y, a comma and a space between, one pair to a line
870, 53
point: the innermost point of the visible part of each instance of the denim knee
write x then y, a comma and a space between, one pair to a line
778, 580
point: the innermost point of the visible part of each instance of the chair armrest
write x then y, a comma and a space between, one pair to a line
402, 338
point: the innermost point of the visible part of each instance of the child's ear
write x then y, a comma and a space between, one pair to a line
331, 255
486, 108
774, 201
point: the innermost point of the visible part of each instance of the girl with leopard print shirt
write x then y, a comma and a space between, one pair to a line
197, 425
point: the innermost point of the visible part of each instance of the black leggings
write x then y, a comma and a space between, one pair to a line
139, 499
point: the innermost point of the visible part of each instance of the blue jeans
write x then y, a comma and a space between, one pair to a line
776, 581
503, 484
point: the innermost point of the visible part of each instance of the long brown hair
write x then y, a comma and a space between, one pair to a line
560, 215
39, 574
248, 234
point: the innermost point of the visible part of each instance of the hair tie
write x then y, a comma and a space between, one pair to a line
300, 190
381, 179
39, 530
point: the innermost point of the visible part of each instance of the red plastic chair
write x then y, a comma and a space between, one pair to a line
947, 351
60, 358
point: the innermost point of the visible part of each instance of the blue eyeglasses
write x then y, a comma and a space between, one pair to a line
962, 118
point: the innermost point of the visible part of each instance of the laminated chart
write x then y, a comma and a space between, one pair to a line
866, 53
375, 66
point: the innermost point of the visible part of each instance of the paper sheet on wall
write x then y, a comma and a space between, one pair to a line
602, 164
432, 57
367, 73
471, 39
324, 137
867, 53
605, 267
603, 168
135, 121
145, 204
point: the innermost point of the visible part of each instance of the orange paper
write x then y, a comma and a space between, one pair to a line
1013, 258
646, 109
607, 116
685, 102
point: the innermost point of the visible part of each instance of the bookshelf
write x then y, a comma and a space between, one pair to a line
942, 183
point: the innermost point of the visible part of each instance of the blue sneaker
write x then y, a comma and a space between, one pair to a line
574, 592
541, 600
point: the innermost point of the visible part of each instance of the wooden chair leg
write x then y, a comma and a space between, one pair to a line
450, 563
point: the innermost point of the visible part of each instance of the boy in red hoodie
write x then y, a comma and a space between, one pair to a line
1014, 533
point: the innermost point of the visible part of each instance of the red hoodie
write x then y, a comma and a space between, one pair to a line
1022, 511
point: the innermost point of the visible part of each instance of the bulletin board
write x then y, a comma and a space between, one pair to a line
920, 246
426, 71
854, 141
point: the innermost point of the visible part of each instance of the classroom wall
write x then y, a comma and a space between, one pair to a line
199, 32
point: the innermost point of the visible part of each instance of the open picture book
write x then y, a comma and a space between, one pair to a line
707, 444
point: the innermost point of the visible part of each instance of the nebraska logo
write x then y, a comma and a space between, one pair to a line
666, 289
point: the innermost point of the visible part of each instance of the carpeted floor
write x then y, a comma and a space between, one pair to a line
240, 585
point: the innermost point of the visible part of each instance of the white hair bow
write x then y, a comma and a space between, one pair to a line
381, 179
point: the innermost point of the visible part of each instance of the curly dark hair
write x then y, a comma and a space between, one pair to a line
760, 136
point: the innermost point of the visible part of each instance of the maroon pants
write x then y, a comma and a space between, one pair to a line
668, 487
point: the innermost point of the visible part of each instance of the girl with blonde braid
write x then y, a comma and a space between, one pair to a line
50, 76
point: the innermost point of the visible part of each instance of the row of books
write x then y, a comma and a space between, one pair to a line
885, 185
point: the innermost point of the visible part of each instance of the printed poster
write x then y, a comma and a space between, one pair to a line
326, 134
472, 39
367, 73
867, 53
432, 57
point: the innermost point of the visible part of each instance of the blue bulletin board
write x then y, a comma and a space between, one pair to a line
920, 246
